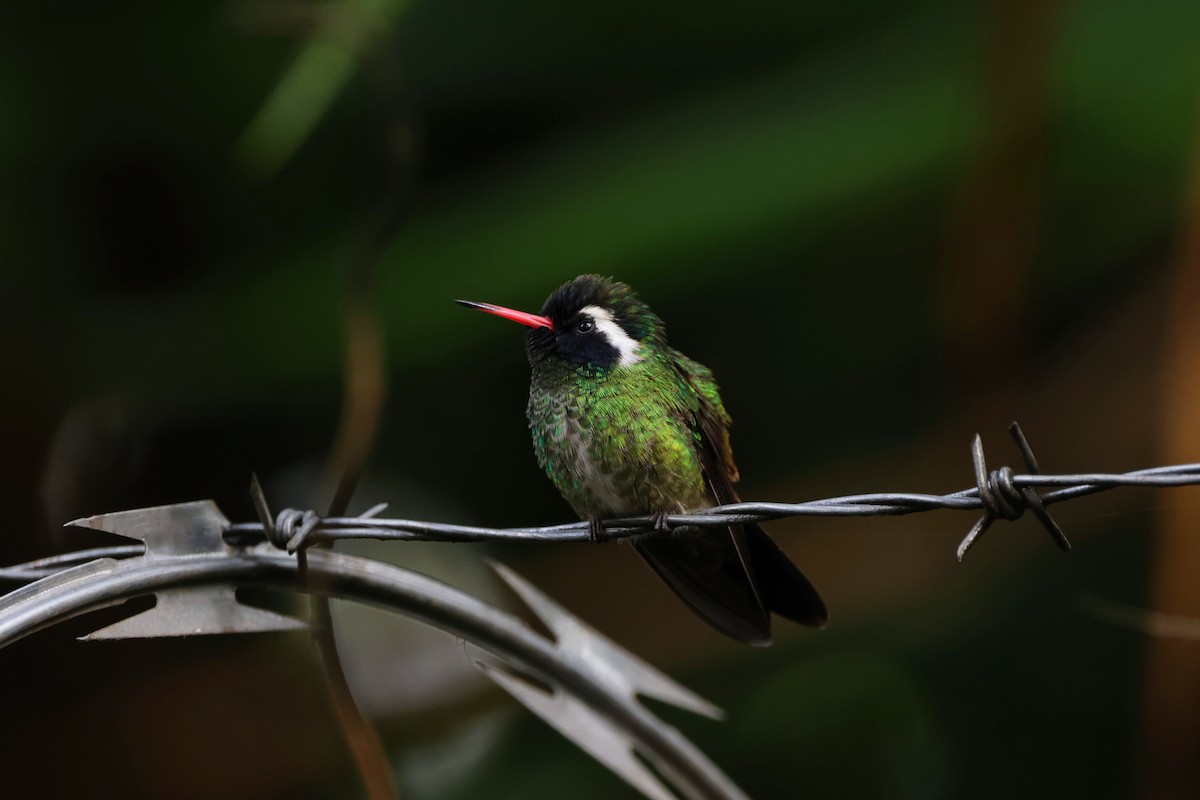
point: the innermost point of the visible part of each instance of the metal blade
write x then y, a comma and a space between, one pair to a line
594, 734
183, 529
197, 611
612, 665
180, 529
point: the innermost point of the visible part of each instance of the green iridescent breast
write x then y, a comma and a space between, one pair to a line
619, 441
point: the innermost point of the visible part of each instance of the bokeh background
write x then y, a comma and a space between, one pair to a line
885, 225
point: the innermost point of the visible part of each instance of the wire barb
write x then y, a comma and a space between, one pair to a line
291, 530
1002, 498
295, 527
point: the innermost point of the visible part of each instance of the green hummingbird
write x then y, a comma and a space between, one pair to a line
626, 425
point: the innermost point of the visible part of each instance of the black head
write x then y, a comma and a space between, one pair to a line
599, 323
591, 322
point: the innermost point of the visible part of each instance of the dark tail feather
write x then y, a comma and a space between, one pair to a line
708, 572
783, 587
705, 570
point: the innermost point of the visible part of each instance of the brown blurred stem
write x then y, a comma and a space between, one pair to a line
1171, 744
361, 408
365, 389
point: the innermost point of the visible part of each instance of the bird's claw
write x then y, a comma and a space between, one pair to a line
596, 530
660, 521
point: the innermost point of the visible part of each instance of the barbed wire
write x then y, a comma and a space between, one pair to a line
1000, 494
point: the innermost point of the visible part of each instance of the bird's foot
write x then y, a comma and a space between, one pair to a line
659, 518
596, 531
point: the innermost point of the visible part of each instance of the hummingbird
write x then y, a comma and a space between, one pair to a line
626, 425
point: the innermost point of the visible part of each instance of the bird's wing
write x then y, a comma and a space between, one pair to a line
775, 583
710, 424
709, 572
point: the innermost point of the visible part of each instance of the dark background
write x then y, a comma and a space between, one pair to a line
885, 226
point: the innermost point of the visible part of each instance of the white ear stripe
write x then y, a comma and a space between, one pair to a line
626, 345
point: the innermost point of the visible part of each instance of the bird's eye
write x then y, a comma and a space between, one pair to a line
585, 326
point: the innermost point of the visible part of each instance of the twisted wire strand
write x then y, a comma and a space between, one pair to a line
43, 567
999, 494
859, 505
